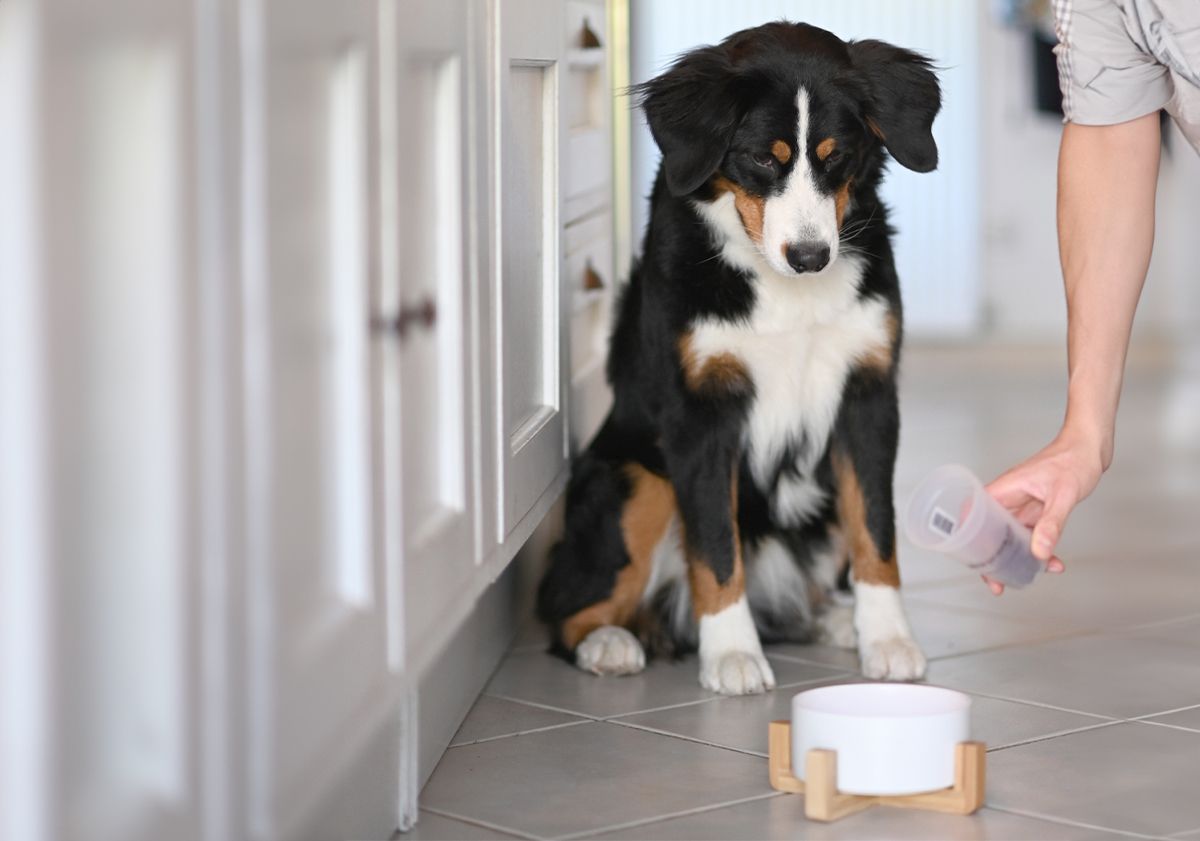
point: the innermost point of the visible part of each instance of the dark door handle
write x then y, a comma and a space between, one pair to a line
410, 316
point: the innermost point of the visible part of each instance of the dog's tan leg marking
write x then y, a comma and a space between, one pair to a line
644, 520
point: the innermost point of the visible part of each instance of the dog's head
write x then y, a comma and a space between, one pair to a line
786, 117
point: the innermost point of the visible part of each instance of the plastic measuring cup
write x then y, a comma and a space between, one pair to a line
950, 512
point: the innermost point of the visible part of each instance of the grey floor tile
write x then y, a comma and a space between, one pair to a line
492, 717
920, 567
1186, 631
945, 631
1133, 777
1000, 723
942, 630
433, 827
783, 818
543, 679
1184, 718
531, 636
843, 659
739, 723
578, 779
1126, 586
1123, 675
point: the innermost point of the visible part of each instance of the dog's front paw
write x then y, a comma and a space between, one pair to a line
736, 673
897, 658
610, 650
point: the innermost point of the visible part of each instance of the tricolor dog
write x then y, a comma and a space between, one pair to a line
744, 474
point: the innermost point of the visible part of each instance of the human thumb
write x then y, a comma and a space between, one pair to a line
1050, 525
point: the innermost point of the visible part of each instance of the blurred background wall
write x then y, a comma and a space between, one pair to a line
977, 251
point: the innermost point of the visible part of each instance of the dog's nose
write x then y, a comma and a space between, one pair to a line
810, 256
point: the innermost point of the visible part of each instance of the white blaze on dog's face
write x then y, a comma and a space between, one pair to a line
800, 223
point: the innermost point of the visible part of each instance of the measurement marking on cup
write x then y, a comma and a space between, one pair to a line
942, 522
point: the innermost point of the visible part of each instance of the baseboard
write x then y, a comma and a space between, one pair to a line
456, 676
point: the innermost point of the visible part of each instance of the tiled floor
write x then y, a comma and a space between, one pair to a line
1086, 687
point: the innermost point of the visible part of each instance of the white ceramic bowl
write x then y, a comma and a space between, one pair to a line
890, 738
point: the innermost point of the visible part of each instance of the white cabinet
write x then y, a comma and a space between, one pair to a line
296, 302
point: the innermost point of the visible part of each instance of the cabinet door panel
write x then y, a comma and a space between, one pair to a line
430, 291
118, 249
531, 427
319, 669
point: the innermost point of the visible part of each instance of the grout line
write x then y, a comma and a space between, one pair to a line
543, 706
1164, 623
1049, 736
558, 726
1163, 724
835, 674
684, 738
1165, 712
804, 661
1043, 705
715, 697
1068, 822
495, 827
590, 833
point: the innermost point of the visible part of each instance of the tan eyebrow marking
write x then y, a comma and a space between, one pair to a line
825, 148
782, 151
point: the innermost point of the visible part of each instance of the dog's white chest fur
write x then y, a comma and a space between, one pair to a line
801, 341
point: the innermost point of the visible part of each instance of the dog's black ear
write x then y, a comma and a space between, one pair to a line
692, 109
903, 100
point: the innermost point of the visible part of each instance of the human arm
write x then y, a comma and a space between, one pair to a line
1106, 185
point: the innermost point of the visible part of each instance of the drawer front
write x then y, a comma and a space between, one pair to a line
587, 103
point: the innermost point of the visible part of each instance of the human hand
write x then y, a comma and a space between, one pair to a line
1042, 491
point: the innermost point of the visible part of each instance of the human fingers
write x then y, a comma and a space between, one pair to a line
1049, 527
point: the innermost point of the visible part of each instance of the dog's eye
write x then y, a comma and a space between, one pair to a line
834, 158
767, 161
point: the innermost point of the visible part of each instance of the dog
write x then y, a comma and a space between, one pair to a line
741, 485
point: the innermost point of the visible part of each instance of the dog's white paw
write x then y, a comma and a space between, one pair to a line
835, 627
897, 658
736, 673
610, 650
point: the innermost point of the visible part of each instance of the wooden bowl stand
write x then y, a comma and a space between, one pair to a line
823, 802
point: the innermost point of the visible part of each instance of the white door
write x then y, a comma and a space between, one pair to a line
528, 307
320, 686
424, 307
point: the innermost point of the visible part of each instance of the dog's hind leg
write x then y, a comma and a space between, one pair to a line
592, 591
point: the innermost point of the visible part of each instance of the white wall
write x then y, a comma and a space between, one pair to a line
1023, 285
938, 214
